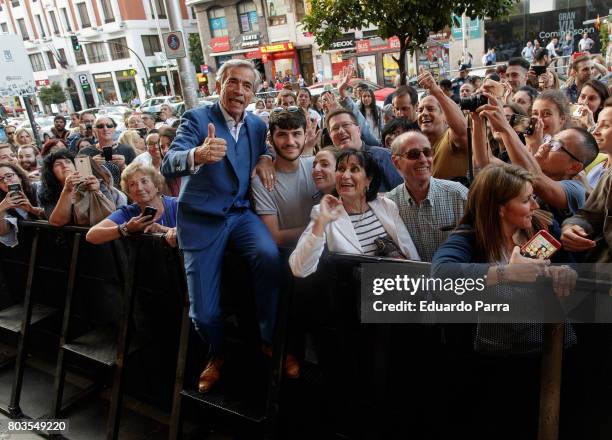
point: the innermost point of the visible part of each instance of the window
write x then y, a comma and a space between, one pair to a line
54, 22
40, 25
277, 10
118, 51
80, 56
22, 29
62, 58
160, 5
66, 19
218, 25
96, 52
151, 44
300, 10
107, 10
4, 27
247, 16
51, 59
38, 64
15, 3
82, 7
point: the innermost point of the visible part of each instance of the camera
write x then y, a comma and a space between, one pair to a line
88, 126
471, 103
142, 132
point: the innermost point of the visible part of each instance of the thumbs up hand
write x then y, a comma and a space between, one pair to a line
212, 150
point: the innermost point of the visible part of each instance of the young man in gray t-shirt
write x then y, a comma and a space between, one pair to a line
286, 209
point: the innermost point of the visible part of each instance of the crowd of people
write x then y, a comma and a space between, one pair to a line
338, 173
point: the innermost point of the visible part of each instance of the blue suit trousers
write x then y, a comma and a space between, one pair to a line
245, 234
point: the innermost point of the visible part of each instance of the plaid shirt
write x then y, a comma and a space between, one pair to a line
431, 221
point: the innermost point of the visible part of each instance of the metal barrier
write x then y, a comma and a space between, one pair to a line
338, 273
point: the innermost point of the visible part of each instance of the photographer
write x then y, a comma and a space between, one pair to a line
143, 184
85, 131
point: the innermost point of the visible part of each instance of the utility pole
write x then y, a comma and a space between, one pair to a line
186, 69
168, 72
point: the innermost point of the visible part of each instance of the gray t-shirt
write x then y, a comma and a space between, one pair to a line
293, 196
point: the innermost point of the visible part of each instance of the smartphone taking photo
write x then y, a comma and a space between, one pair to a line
149, 210
541, 246
14, 190
83, 166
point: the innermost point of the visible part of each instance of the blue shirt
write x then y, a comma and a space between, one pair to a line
168, 218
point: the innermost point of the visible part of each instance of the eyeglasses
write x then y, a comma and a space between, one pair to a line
7, 177
152, 143
290, 109
415, 153
556, 145
105, 125
346, 126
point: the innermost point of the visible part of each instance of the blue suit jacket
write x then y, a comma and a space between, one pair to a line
207, 196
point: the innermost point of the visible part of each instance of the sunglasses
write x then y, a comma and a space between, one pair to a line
415, 153
290, 109
105, 125
556, 145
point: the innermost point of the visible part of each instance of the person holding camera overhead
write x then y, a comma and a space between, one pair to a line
441, 120
150, 212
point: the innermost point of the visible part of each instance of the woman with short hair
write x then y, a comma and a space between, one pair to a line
143, 184
356, 222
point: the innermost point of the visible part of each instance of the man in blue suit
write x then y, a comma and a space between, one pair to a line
215, 151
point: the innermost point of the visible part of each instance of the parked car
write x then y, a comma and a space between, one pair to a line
153, 105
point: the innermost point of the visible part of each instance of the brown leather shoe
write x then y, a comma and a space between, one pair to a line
292, 366
211, 374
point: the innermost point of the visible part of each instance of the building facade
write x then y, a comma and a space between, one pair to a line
121, 54
268, 33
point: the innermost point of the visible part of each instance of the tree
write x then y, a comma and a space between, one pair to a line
409, 20
54, 94
195, 50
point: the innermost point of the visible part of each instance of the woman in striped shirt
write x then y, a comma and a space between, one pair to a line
356, 222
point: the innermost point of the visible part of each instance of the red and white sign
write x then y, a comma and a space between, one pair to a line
377, 44
255, 54
42, 82
220, 44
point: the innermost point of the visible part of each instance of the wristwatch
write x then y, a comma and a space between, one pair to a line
123, 230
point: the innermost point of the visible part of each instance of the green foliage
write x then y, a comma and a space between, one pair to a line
54, 94
603, 36
410, 20
195, 51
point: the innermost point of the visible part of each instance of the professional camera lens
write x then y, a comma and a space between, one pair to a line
471, 103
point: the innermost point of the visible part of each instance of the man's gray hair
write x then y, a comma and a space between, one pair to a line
230, 64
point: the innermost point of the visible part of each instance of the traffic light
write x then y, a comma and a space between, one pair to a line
75, 43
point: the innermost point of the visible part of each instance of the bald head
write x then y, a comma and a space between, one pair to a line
410, 137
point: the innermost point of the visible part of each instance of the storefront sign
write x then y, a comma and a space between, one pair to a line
473, 28
204, 68
377, 44
154, 70
122, 74
102, 76
566, 22
250, 40
253, 55
347, 41
279, 47
42, 82
220, 44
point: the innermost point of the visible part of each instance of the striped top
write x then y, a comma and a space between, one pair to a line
368, 228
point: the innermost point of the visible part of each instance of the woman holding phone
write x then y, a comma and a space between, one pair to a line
59, 181
17, 202
150, 212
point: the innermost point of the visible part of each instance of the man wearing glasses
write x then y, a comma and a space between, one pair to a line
554, 165
431, 208
215, 152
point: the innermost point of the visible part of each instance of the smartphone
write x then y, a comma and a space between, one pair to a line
149, 210
541, 246
576, 110
531, 128
538, 69
520, 123
107, 152
83, 166
494, 88
14, 189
